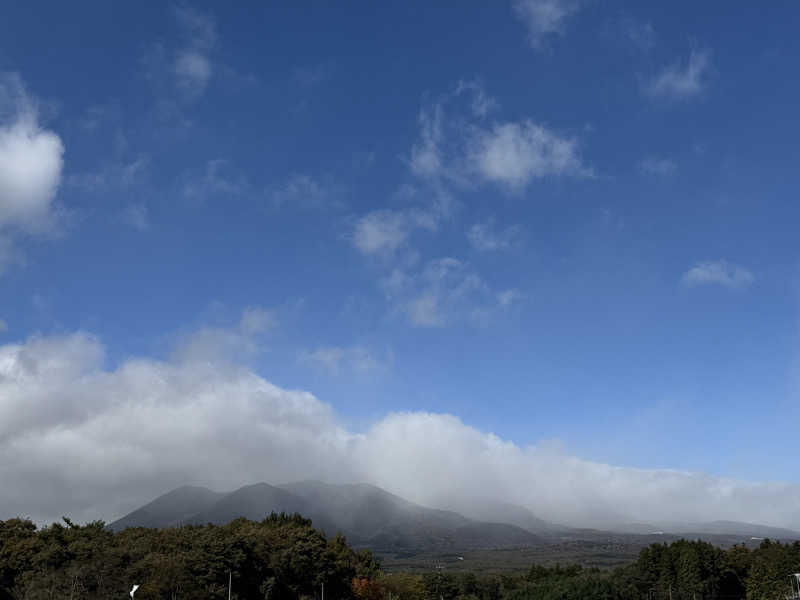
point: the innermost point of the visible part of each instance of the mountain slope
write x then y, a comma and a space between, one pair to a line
254, 502
512, 514
736, 528
364, 511
170, 509
369, 516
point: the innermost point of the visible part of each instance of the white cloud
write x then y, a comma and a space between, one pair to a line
718, 272
515, 153
218, 178
677, 82
218, 344
337, 359
112, 176
641, 34
425, 153
136, 216
193, 70
384, 231
508, 297
459, 145
80, 439
444, 290
193, 67
485, 237
633, 33
31, 161
653, 165
481, 103
304, 191
256, 319
543, 18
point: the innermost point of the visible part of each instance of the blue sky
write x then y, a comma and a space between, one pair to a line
567, 223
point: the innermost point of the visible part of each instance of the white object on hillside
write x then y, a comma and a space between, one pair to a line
133, 591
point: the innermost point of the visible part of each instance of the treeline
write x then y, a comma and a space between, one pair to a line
682, 570
280, 558
285, 558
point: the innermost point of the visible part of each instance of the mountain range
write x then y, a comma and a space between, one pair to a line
368, 515
374, 518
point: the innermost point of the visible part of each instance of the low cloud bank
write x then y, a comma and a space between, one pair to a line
79, 439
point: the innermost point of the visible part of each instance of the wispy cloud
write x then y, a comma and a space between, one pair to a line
718, 272
459, 144
544, 18
634, 33
222, 343
193, 66
112, 176
384, 231
218, 178
304, 191
136, 215
340, 359
486, 237
442, 291
653, 165
682, 81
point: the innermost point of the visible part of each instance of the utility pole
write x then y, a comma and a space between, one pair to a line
230, 581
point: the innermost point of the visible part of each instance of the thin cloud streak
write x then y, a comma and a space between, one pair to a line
677, 82
718, 272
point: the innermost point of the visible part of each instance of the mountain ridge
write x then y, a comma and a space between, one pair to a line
374, 518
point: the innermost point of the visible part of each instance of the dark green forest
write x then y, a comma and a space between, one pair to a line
285, 558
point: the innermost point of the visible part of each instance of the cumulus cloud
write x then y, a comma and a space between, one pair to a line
679, 82
31, 161
485, 236
718, 272
543, 18
89, 441
516, 153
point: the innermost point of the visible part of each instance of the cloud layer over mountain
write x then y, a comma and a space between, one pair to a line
80, 439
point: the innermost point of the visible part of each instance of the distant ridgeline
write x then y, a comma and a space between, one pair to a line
284, 558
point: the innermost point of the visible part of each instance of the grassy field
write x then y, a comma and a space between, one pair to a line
603, 552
